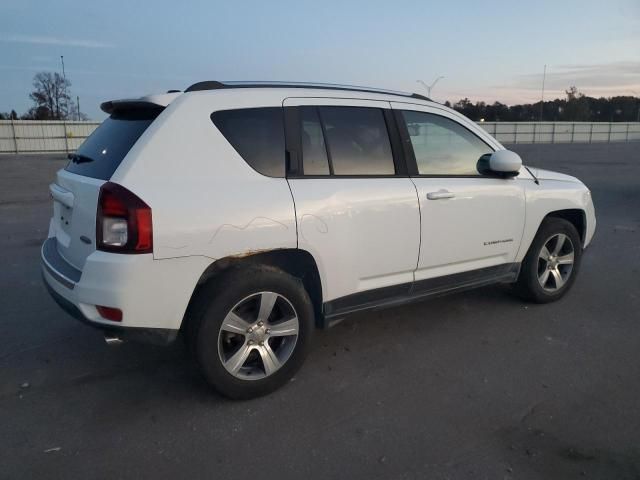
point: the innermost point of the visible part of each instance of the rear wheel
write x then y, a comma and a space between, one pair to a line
250, 330
552, 262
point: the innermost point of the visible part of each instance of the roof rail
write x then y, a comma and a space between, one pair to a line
216, 85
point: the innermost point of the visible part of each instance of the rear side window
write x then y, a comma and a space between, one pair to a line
358, 141
257, 134
314, 151
103, 151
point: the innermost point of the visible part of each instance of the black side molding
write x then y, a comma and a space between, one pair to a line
411, 292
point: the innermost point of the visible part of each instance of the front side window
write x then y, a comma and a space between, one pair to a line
357, 140
257, 134
443, 146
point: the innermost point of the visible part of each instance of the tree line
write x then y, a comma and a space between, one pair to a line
51, 98
576, 107
52, 101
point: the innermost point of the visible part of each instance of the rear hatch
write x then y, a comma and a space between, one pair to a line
77, 187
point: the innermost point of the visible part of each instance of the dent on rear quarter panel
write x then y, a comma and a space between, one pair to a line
205, 199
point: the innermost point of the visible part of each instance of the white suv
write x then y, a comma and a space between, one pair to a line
245, 215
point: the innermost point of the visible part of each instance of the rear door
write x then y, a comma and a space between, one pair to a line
470, 221
77, 187
357, 211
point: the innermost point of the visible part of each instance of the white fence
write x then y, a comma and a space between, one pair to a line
34, 136
37, 136
563, 132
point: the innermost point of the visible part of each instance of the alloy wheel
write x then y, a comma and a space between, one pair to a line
555, 262
258, 336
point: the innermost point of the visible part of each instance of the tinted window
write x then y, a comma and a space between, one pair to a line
358, 141
257, 134
443, 146
104, 149
314, 152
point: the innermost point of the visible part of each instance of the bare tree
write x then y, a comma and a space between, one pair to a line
51, 97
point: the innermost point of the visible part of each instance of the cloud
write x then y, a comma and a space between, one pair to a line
603, 78
46, 40
596, 80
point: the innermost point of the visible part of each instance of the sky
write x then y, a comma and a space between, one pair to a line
486, 50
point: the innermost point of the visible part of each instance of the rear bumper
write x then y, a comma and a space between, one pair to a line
157, 336
152, 294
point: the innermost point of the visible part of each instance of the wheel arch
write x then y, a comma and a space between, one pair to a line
296, 262
573, 214
576, 216
529, 284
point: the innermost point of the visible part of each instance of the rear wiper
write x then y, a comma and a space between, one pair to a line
79, 158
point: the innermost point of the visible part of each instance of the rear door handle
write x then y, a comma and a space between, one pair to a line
440, 195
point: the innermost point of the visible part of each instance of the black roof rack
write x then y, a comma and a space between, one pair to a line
216, 85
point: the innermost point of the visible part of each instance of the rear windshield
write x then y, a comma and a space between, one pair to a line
104, 149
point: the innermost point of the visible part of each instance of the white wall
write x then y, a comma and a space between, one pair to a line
35, 136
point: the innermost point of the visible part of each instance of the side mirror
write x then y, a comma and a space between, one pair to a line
503, 163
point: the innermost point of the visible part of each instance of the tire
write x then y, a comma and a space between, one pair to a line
538, 280
241, 351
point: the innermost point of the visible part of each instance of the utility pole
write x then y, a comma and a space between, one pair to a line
544, 76
64, 78
78, 104
429, 87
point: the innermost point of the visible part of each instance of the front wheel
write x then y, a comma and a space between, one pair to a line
251, 330
552, 262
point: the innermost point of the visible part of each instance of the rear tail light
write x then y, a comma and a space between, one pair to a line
123, 221
110, 313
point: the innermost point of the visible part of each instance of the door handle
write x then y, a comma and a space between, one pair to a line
440, 195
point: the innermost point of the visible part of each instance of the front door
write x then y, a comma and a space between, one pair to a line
469, 221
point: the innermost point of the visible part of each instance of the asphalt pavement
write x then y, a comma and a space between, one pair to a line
475, 385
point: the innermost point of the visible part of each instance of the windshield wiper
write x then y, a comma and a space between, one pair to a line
79, 158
